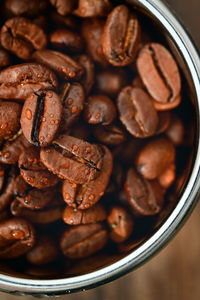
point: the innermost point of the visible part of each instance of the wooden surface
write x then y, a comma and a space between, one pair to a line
175, 272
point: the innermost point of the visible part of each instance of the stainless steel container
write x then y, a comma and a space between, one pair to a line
187, 186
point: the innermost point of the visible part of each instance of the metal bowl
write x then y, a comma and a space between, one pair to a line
186, 190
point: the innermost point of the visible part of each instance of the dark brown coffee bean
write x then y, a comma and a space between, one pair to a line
64, 7
110, 82
9, 119
121, 36
92, 8
175, 131
20, 81
66, 39
20, 36
61, 63
59, 21
86, 195
137, 112
127, 152
160, 74
87, 79
164, 118
72, 99
41, 117
92, 30
34, 172
94, 214
17, 238
120, 223
145, 197
7, 186
99, 110
73, 159
167, 177
13, 148
81, 131
83, 240
5, 59
26, 7
154, 158
44, 251
110, 135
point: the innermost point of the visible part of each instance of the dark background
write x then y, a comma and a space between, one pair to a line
175, 272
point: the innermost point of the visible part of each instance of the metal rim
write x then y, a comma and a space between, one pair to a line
172, 224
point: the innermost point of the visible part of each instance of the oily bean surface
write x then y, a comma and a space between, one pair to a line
9, 119
92, 8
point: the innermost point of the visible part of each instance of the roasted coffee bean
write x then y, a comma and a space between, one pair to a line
59, 21
30, 197
20, 81
99, 110
17, 238
41, 117
73, 159
154, 158
164, 118
92, 30
111, 134
160, 74
81, 131
92, 8
20, 36
94, 214
137, 112
9, 119
145, 197
121, 224
13, 148
86, 195
121, 36
72, 99
34, 172
83, 240
61, 63
5, 59
64, 7
66, 39
26, 7
110, 82
167, 177
7, 186
175, 131
44, 251
87, 79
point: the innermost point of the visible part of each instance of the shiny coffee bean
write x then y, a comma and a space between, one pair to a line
73, 159
66, 39
34, 172
121, 224
160, 74
17, 238
92, 8
121, 36
175, 131
8, 177
20, 81
20, 36
26, 7
86, 195
155, 157
41, 117
167, 177
137, 112
87, 80
94, 214
83, 240
5, 59
44, 251
61, 63
9, 119
111, 134
64, 7
145, 197
92, 30
99, 110
72, 99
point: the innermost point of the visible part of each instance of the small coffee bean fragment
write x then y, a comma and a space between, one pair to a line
99, 110
111, 134
121, 224
92, 8
66, 39
121, 36
9, 119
